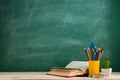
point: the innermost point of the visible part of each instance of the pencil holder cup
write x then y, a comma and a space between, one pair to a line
94, 67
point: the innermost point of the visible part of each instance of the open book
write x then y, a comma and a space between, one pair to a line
74, 68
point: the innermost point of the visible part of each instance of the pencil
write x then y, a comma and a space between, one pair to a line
88, 54
101, 53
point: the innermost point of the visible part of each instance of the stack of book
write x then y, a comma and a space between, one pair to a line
65, 72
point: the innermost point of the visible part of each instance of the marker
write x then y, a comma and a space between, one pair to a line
95, 48
91, 46
93, 53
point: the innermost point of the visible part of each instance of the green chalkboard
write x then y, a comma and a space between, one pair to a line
36, 35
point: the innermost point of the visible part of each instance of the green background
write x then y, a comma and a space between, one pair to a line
36, 35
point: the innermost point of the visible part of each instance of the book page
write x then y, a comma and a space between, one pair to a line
83, 65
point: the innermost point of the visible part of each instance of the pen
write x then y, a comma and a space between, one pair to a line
96, 56
99, 53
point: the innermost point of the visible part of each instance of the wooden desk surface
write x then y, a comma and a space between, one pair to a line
43, 76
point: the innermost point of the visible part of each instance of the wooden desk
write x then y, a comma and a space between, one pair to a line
43, 76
